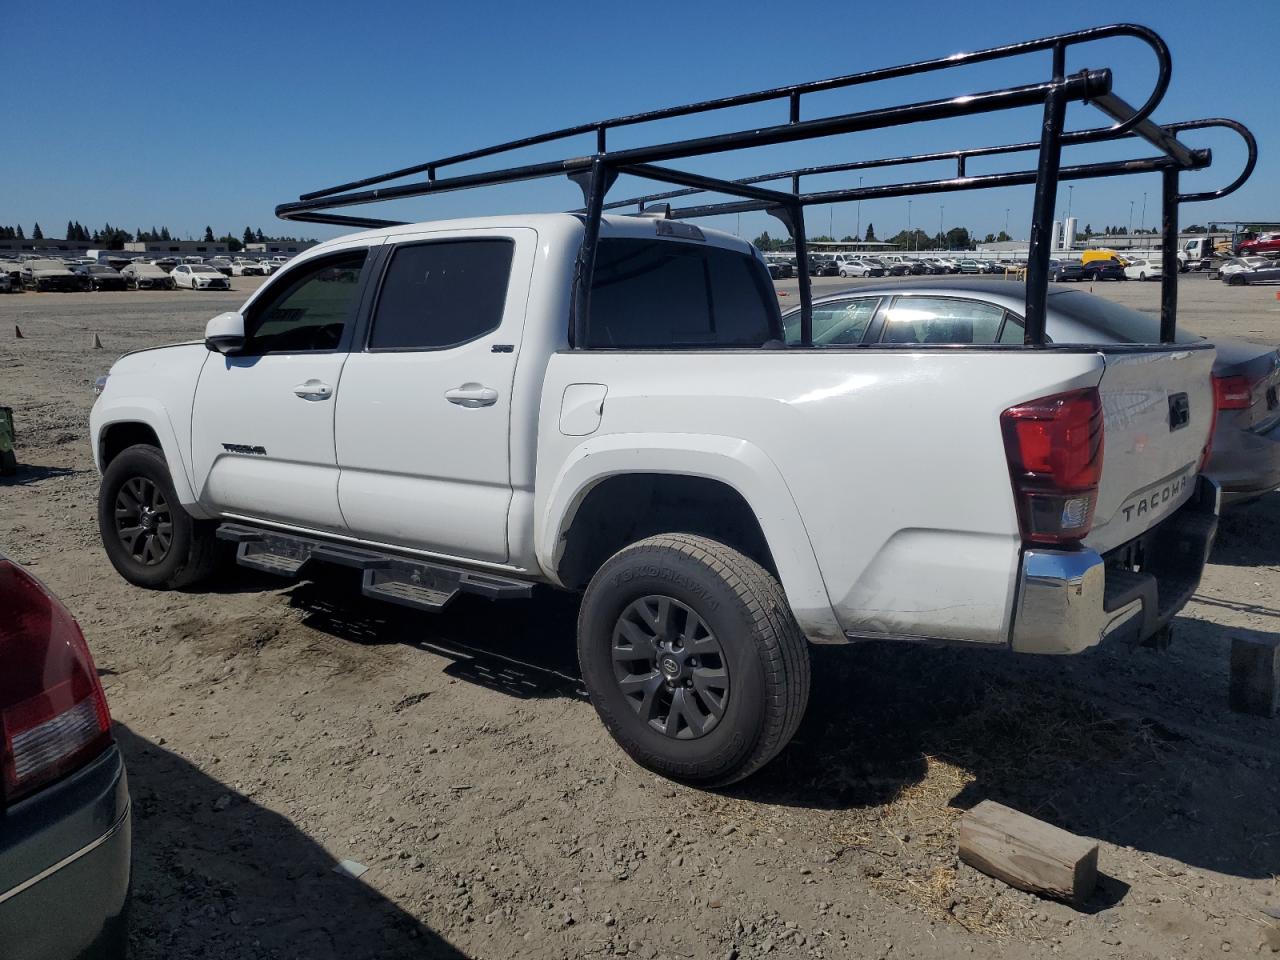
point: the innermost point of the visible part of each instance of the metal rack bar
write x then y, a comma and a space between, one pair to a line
597, 172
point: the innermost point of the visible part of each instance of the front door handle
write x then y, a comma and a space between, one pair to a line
472, 395
313, 390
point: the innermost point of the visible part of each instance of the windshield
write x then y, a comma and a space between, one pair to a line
203, 269
47, 265
1113, 320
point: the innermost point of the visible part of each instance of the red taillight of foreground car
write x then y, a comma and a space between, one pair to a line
53, 713
1232, 393
1054, 448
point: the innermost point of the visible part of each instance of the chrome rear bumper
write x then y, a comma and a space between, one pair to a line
1070, 600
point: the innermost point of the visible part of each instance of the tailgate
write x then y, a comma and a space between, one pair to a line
1157, 405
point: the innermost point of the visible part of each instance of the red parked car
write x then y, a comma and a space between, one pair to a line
1263, 243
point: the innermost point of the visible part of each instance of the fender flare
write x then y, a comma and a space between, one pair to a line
149, 413
735, 462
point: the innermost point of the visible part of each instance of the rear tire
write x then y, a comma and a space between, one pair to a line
150, 540
693, 659
1235, 280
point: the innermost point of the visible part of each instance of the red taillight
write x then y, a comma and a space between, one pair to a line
53, 713
1232, 393
1054, 448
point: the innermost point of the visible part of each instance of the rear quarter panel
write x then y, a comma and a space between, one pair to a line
892, 462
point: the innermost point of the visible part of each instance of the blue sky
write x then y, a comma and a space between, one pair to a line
143, 114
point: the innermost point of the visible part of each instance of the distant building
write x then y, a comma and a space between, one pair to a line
289, 247
57, 248
183, 248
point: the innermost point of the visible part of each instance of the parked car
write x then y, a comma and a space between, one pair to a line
6, 284
1060, 270
1144, 269
1263, 243
101, 277
45, 274
221, 264
850, 266
198, 276
821, 266
1103, 270
242, 267
167, 263
1263, 274
1237, 264
993, 266
1245, 455
141, 275
64, 796
582, 466
898, 267
970, 266
13, 270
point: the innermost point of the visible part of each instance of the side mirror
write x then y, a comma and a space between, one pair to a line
225, 333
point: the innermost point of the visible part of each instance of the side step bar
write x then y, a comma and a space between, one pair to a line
410, 583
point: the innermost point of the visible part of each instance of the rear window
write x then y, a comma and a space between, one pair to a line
442, 294
666, 294
1113, 321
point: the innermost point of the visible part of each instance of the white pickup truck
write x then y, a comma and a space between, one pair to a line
405, 401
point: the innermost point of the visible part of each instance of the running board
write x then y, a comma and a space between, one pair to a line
410, 583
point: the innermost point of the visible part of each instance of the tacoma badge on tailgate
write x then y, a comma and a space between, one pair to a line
1163, 495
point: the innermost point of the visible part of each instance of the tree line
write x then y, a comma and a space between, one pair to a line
114, 238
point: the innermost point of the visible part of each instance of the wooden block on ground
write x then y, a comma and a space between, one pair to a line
1255, 675
1028, 853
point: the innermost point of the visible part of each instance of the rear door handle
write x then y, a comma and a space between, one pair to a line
313, 390
472, 395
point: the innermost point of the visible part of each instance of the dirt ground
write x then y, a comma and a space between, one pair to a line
274, 728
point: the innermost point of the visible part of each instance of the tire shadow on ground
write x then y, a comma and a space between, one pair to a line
215, 874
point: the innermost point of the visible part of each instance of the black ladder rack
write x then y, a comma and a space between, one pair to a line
595, 173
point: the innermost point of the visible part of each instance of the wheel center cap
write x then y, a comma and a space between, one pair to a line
148, 519
669, 666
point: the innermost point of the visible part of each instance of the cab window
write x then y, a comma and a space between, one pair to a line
309, 309
942, 320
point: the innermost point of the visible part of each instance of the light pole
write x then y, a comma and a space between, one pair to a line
1144, 209
1131, 220
941, 208
1070, 194
831, 221
910, 235
1006, 221
859, 234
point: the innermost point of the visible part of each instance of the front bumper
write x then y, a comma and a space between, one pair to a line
65, 867
1070, 600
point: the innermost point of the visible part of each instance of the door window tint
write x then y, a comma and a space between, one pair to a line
836, 324
666, 294
941, 320
312, 306
442, 294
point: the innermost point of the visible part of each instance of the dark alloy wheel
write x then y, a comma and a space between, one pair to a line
692, 658
148, 537
670, 667
144, 523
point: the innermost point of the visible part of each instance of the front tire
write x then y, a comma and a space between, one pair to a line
692, 658
150, 540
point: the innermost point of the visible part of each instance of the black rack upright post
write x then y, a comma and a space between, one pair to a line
1169, 253
1046, 198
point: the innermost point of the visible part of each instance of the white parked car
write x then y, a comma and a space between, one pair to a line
243, 267
850, 266
674, 463
1241, 265
199, 276
1144, 269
